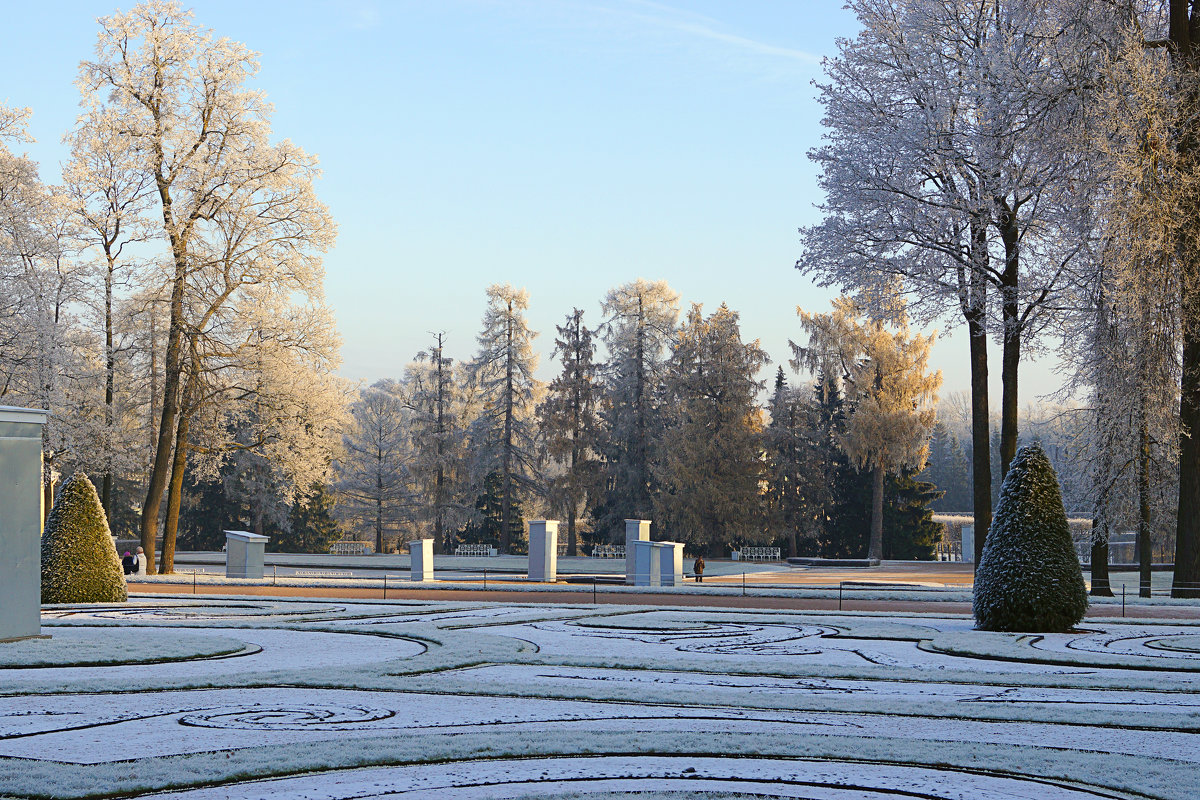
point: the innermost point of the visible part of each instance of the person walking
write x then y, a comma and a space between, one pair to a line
698, 568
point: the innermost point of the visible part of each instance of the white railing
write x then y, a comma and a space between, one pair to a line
608, 551
474, 550
759, 554
350, 548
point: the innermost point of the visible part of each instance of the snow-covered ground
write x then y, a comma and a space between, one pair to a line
265, 699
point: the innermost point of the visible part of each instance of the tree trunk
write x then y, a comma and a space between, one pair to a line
174, 496
1145, 552
172, 370
109, 379
1186, 582
1012, 328
875, 549
1100, 583
981, 455
506, 485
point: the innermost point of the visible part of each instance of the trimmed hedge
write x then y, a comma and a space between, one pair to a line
1029, 577
79, 559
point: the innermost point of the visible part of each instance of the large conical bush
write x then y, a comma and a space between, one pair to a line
79, 559
1029, 577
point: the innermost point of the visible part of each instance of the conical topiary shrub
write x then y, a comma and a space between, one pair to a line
1029, 577
79, 559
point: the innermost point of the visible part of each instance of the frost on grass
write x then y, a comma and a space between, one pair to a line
1029, 577
79, 560
109, 647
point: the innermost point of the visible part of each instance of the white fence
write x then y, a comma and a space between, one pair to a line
759, 554
608, 551
351, 549
475, 550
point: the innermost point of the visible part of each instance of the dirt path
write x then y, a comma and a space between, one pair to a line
632, 598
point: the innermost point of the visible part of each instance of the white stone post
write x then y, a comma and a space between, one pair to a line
420, 559
244, 553
543, 550
636, 530
21, 513
670, 559
647, 563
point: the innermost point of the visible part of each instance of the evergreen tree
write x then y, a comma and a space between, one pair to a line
711, 465
1029, 578
437, 436
372, 475
311, 526
570, 424
504, 437
948, 470
796, 494
79, 561
488, 525
639, 326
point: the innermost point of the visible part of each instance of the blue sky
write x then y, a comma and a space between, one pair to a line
566, 146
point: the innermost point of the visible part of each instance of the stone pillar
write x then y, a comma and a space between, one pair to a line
543, 550
21, 513
244, 553
420, 556
670, 560
968, 543
636, 530
647, 563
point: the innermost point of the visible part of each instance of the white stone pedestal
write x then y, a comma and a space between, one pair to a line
647, 563
543, 550
636, 530
244, 553
420, 559
20, 522
670, 562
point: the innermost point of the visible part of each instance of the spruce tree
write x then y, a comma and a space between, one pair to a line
79, 560
1029, 577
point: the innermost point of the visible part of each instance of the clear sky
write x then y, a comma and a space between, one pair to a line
566, 146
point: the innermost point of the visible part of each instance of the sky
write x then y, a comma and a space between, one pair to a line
566, 146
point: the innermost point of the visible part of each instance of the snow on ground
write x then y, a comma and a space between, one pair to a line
428, 699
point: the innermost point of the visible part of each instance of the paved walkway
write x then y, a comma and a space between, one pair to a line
681, 600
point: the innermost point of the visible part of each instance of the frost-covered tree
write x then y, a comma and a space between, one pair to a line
435, 398
710, 466
372, 476
949, 170
503, 438
892, 395
797, 494
228, 198
571, 424
639, 327
79, 561
1029, 579
108, 195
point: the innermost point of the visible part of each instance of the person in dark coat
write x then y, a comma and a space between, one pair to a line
698, 568
127, 563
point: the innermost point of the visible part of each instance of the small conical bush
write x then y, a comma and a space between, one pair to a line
79, 559
1029, 577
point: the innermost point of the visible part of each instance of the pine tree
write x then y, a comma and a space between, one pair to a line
796, 494
79, 560
639, 327
503, 437
437, 440
372, 475
570, 424
488, 525
1029, 578
311, 525
948, 470
711, 467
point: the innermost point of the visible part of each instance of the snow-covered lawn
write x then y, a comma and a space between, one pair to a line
258, 698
